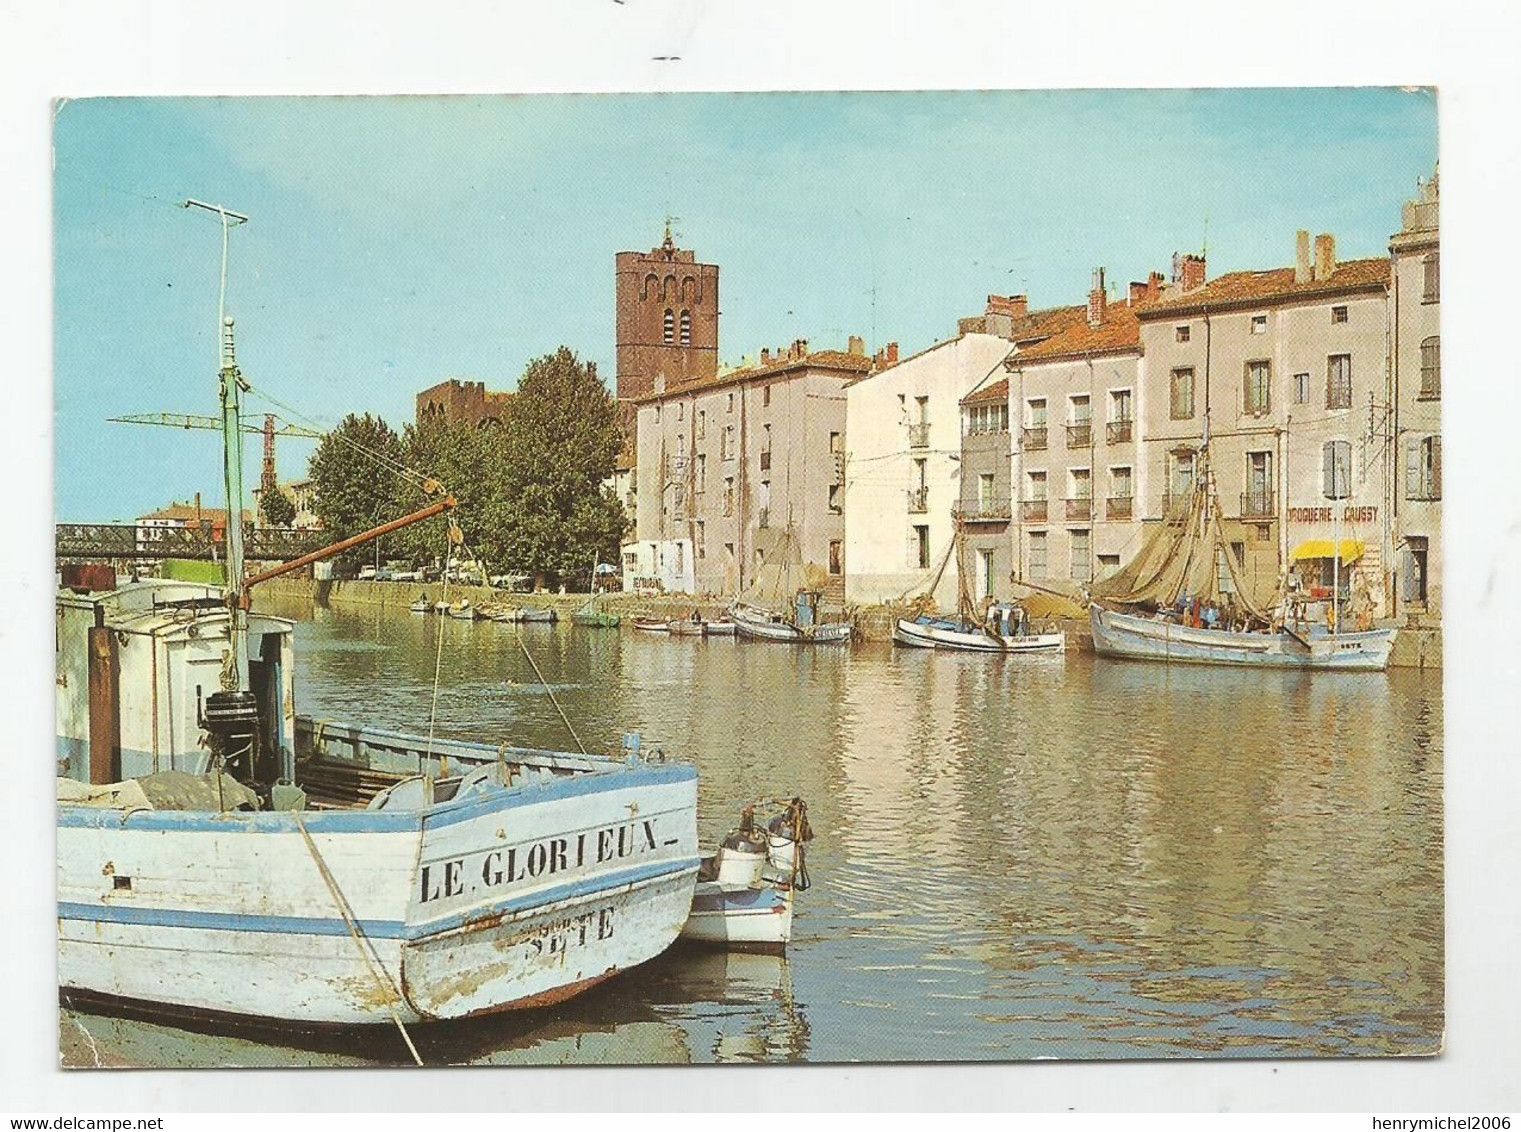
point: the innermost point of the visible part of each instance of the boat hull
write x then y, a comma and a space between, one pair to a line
758, 627
502, 900
1144, 638
759, 918
918, 635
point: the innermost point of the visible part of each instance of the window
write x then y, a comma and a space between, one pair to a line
701, 539
1256, 395
1301, 389
1339, 381
1037, 555
1181, 333
1080, 484
728, 552
836, 500
1119, 405
987, 419
1259, 324
1108, 563
702, 471
765, 394
984, 574
657, 412
1183, 393
1037, 412
1423, 467
702, 423
681, 410
922, 547
1120, 483
1257, 500
670, 327
731, 402
1431, 367
836, 443
921, 407
985, 491
1079, 411
836, 557
1082, 556
730, 449
1336, 469
1037, 487
1338, 314
728, 495
686, 328
1432, 291
1413, 587
1180, 477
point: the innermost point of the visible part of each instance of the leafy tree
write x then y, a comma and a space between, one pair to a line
278, 511
351, 474
467, 461
560, 441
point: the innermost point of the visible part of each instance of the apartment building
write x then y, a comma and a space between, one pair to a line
738, 463
904, 479
1416, 496
1283, 373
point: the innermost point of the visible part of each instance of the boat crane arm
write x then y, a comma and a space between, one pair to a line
445, 504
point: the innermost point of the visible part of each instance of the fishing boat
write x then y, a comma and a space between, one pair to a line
693, 626
746, 889
1181, 600
1005, 629
761, 624
462, 611
652, 625
722, 627
219, 855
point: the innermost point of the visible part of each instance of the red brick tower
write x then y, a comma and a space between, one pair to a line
667, 319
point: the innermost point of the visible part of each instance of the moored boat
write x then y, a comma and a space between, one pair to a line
1005, 630
652, 625
693, 626
594, 618
746, 890
1161, 637
421, 605
543, 616
462, 611
722, 627
762, 624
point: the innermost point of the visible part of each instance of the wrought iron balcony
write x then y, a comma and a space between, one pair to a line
1033, 510
1119, 432
1119, 507
918, 500
989, 511
1033, 439
918, 435
1258, 504
1080, 435
1080, 508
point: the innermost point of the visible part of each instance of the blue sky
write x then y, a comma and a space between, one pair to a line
395, 242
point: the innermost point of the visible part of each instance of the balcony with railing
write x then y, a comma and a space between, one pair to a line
984, 511
918, 500
1258, 504
918, 435
1120, 432
1119, 507
1033, 510
1033, 439
1080, 435
1080, 507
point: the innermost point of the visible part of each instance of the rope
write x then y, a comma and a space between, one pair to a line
518, 632
438, 656
382, 977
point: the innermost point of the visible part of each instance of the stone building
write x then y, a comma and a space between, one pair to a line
1416, 496
904, 451
735, 462
1283, 373
467, 402
667, 319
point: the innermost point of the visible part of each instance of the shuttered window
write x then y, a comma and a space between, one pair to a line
1339, 381
1256, 394
1423, 467
1336, 469
1431, 367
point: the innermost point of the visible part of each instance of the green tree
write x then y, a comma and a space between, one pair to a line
278, 511
352, 474
467, 461
560, 441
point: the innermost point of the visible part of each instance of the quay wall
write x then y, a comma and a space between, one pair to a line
1415, 647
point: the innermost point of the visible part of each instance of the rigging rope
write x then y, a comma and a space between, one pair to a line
518, 632
438, 655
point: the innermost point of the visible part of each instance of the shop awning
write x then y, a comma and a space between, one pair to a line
1351, 549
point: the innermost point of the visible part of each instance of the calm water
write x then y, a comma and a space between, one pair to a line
1014, 858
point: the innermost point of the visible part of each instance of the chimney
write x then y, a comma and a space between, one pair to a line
1325, 256
1019, 306
857, 347
892, 353
1194, 272
1097, 300
1138, 293
1302, 257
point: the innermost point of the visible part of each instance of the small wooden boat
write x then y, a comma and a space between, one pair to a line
652, 625
461, 611
421, 605
723, 627
1005, 631
501, 614
693, 626
746, 890
543, 616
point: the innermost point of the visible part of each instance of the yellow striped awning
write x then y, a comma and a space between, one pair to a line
1351, 549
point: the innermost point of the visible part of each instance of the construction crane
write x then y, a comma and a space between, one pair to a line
271, 427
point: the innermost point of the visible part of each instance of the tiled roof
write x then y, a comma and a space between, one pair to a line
990, 394
187, 512
1261, 288
1119, 333
1049, 321
820, 359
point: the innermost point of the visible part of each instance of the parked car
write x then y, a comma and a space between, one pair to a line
407, 576
366, 573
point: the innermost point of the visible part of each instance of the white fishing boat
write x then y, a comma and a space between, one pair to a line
761, 624
722, 627
746, 890
1005, 629
216, 856
1160, 636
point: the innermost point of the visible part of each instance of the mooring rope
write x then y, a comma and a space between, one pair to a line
438, 655
382, 977
518, 632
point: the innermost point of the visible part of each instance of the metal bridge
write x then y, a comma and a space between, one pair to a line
126, 541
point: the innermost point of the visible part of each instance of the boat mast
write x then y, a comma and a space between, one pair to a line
231, 388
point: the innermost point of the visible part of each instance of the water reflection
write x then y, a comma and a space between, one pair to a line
1015, 857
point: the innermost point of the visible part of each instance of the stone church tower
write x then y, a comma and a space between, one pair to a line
667, 322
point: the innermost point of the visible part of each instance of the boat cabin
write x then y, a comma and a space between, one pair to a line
135, 668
